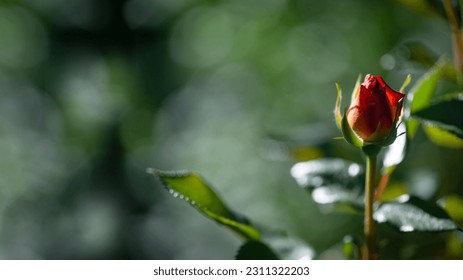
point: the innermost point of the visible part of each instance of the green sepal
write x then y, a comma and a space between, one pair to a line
349, 134
337, 110
356, 90
407, 81
390, 138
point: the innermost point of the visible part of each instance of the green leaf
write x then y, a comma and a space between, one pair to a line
445, 114
442, 137
412, 214
351, 247
393, 191
421, 6
331, 181
193, 189
443, 122
453, 204
255, 250
420, 95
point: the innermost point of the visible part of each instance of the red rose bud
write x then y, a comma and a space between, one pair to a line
374, 110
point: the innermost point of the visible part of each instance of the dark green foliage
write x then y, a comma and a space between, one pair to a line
255, 250
445, 114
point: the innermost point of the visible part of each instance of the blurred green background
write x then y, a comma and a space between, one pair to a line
94, 92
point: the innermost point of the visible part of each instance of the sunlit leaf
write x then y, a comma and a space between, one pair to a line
255, 250
393, 191
453, 204
331, 180
412, 214
193, 189
351, 247
442, 137
445, 114
420, 95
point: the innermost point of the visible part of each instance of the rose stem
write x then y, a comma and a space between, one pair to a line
456, 35
369, 224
